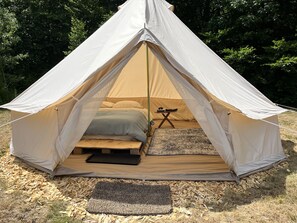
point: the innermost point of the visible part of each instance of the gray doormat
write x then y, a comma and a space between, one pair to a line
180, 142
130, 199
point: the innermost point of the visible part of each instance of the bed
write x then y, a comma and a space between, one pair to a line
123, 120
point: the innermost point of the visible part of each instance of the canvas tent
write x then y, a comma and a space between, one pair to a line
182, 69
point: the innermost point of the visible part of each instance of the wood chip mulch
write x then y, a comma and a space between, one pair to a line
190, 199
31, 194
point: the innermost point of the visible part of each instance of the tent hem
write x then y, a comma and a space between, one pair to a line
223, 176
262, 168
50, 172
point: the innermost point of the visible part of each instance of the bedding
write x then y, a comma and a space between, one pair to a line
127, 104
142, 110
106, 104
114, 122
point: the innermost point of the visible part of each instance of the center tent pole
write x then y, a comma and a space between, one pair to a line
148, 91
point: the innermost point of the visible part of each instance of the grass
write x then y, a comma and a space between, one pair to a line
57, 213
28, 195
3, 185
5, 132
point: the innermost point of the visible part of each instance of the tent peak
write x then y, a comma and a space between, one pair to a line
168, 5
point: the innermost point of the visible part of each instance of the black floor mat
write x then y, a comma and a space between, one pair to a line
126, 159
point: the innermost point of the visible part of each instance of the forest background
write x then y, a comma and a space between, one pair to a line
258, 38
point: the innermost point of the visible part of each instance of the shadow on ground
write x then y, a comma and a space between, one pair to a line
269, 183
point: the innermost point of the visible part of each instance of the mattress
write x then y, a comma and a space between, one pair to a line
109, 123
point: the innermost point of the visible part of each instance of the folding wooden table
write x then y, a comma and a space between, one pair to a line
166, 113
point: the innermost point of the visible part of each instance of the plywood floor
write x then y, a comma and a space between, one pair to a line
180, 167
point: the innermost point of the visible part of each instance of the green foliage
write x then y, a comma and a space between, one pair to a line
195, 14
281, 66
77, 34
268, 28
283, 55
8, 58
285, 63
243, 54
86, 17
240, 58
43, 32
91, 13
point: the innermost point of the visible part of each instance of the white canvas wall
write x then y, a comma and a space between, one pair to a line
256, 143
33, 138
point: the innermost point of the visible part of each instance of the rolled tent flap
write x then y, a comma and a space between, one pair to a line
202, 111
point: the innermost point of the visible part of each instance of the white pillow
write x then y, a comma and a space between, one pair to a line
106, 104
127, 104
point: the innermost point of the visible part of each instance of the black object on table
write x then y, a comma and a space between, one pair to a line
166, 113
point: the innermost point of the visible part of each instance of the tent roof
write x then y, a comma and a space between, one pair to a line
146, 20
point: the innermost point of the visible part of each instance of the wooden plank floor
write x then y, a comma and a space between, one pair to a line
108, 143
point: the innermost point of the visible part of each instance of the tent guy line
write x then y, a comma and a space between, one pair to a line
285, 106
288, 107
291, 130
25, 116
18, 119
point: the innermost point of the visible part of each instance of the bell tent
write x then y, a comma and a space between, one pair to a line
145, 52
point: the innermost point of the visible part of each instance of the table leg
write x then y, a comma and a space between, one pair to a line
170, 123
166, 118
162, 121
